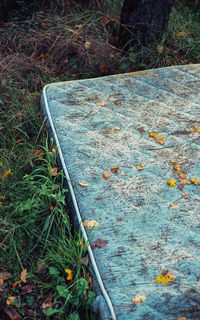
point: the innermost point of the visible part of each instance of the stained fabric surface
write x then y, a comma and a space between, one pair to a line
149, 215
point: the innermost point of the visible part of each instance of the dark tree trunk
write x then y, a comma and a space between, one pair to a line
143, 22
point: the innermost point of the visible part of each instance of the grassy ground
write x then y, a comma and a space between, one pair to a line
44, 263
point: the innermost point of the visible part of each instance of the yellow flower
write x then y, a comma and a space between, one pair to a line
69, 274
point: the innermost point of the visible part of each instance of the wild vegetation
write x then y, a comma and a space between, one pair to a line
44, 264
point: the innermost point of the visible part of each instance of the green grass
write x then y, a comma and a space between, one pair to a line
36, 231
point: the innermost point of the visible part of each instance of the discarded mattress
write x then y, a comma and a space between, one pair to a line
130, 144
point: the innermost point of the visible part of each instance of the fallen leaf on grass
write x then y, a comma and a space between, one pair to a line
85, 260
195, 181
1, 282
19, 140
115, 169
90, 224
89, 280
157, 137
23, 275
106, 175
54, 171
174, 206
27, 289
15, 284
139, 299
83, 183
10, 300
47, 303
69, 274
165, 278
160, 49
181, 34
12, 314
5, 275
171, 182
99, 244
140, 166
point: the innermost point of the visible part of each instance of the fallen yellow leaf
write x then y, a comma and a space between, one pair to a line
90, 224
195, 181
83, 184
165, 278
194, 129
172, 161
16, 283
139, 299
157, 137
23, 275
140, 166
10, 300
69, 274
181, 34
171, 182
101, 103
174, 206
122, 173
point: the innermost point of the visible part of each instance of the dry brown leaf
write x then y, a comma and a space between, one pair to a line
12, 314
54, 171
47, 302
185, 194
160, 49
118, 102
89, 279
141, 129
162, 123
119, 219
90, 224
5, 275
10, 300
27, 289
23, 275
174, 206
99, 244
115, 169
83, 183
106, 174
53, 149
1, 282
139, 299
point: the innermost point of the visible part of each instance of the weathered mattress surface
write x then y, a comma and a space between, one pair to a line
149, 225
